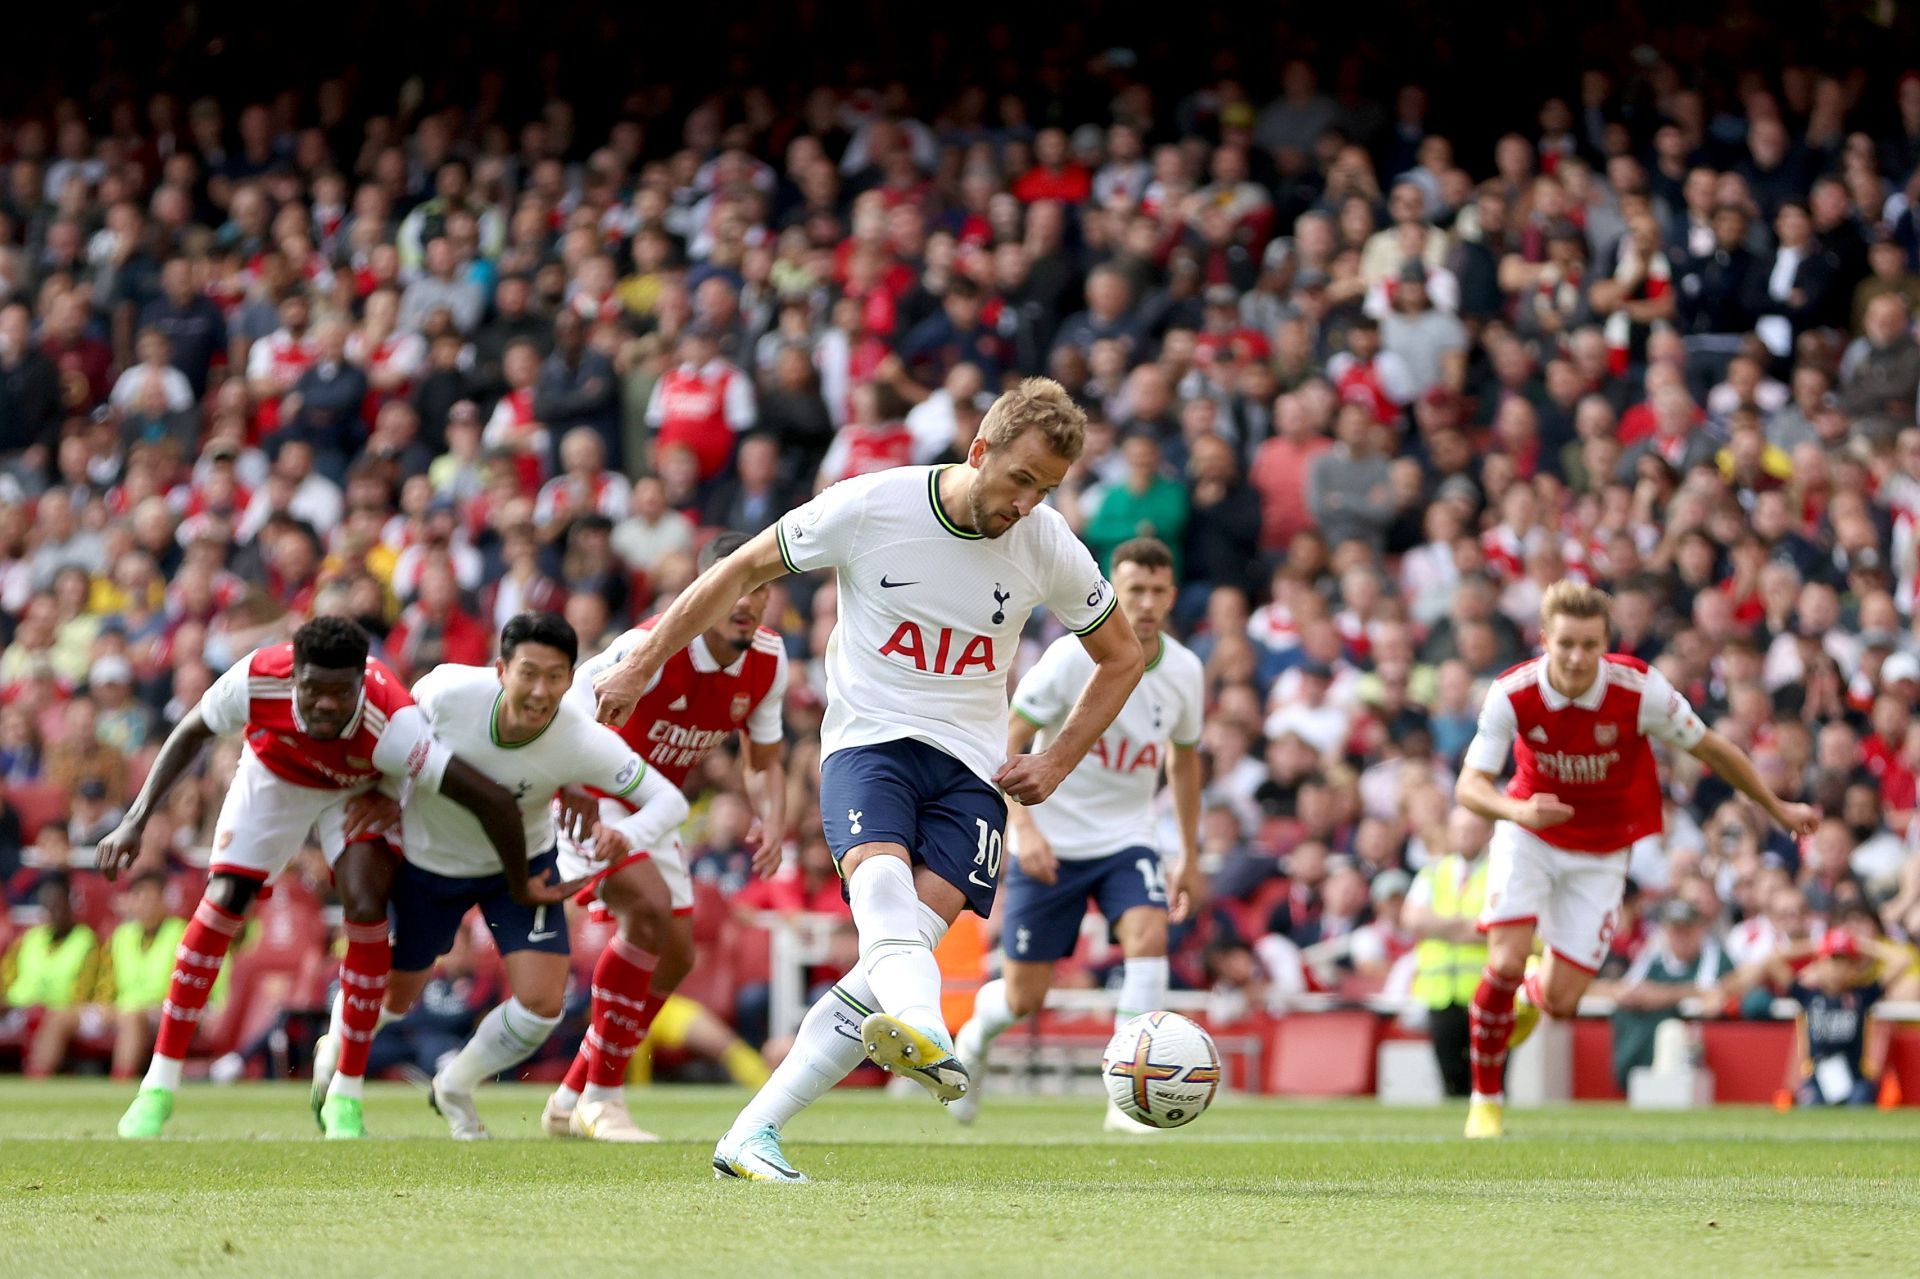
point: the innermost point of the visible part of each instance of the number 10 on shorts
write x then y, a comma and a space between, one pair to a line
987, 855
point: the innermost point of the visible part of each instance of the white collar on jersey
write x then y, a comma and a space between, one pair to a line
704, 661
1558, 701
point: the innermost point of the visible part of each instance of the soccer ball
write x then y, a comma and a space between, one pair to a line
1161, 1069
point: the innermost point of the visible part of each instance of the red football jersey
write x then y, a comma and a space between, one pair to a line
695, 703
1592, 752
257, 696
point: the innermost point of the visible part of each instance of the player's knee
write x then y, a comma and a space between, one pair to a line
1144, 938
231, 893
1023, 1002
1561, 1003
544, 1003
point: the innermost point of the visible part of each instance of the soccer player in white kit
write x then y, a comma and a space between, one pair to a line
1095, 838
514, 723
937, 571
1579, 722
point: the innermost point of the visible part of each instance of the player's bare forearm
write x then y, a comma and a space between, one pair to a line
1117, 667
492, 806
121, 846
703, 604
1477, 793
182, 747
1183, 771
764, 774
1737, 770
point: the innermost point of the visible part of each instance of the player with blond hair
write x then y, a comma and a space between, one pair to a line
1580, 723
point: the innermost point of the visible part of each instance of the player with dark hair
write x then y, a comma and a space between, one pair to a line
324, 724
731, 679
516, 723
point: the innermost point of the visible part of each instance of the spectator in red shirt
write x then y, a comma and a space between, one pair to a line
1054, 175
435, 629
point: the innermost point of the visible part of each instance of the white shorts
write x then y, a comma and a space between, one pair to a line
1573, 898
265, 819
670, 860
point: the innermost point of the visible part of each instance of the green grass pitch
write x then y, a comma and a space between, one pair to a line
242, 1186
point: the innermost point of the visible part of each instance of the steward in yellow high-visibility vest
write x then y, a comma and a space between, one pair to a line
1442, 908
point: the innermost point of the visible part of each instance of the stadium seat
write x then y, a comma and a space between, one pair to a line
1330, 1054
36, 804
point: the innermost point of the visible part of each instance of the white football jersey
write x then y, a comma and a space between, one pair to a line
1106, 803
462, 704
930, 614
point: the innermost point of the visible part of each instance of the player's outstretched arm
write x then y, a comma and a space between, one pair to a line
701, 605
1117, 667
493, 807
1733, 766
182, 747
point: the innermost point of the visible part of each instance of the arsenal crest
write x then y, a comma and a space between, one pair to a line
741, 704
1605, 734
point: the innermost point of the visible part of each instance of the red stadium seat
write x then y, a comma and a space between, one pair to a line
36, 804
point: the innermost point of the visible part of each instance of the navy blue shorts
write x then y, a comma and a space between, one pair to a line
427, 910
923, 799
1041, 922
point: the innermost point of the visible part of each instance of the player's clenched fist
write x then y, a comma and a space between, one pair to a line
1537, 812
616, 692
1029, 778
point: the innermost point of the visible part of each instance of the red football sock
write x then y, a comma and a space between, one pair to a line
622, 982
363, 988
196, 964
576, 1080
1490, 1022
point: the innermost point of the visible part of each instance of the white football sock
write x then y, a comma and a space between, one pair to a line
1143, 988
507, 1036
895, 955
603, 1092
345, 1085
991, 1015
824, 1052
163, 1072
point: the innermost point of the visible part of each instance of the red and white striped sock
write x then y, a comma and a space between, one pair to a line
196, 965
1490, 1025
622, 982
363, 988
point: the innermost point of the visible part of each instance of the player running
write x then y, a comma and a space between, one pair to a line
937, 571
1580, 722
1095, 838
732, 678
323, 724
516, 724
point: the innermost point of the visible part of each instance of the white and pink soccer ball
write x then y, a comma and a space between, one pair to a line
1161, 1069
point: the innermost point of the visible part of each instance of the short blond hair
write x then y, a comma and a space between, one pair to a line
1042, 404
1568, 598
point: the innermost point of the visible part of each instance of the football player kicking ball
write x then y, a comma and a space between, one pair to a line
323, 725
1095, 838
937, 571
515, 723
1580, 722
732, 678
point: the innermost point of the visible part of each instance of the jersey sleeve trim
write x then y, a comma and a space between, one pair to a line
1034, 720
1185, 746
1095, 624
780, 539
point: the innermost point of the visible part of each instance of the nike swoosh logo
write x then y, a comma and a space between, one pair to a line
549, 935
890, 585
